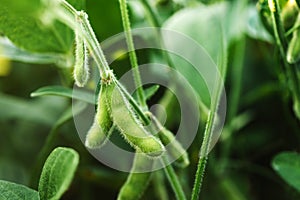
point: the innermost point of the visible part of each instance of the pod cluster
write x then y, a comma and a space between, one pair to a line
114, 111
114, 108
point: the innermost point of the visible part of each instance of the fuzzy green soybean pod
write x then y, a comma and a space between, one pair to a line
293, 53
131, 128
137, 183
81, 69
99, 132
173, 147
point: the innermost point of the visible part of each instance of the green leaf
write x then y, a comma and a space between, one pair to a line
208, 26
19, 21
69, 113
15, 191
255, 27
15, 108
287, 165
149, 92
58, 173
64, 92
9, 50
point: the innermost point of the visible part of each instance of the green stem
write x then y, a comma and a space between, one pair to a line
160, 186
291, 30
78, 20
173, 179
212, 115
278, 27
282, 43
199, 177
155, 21
132, 54
202, 161
82, 24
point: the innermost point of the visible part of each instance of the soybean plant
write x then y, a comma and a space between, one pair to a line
115, 106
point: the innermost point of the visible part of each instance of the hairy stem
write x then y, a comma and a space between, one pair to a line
173, 179
199, 177
132, 53
212, 115
68, 15
78, 20
171, 175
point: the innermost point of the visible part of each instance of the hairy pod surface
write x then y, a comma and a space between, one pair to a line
131, 128
103, 114
136, 183
100, 130
81, 69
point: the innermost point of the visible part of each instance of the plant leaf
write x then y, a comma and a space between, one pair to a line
255, 28
205, 25
287, 165
20, 22
15, 191
58, 173
14, 108
64, 92
9, 50
149, 92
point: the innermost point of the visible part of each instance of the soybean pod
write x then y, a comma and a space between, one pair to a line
131, 128
100, 130
137, 183
81, 69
